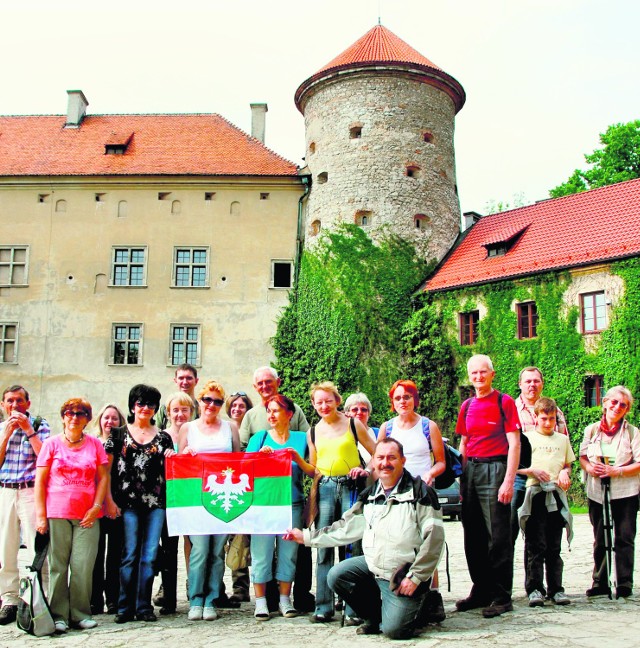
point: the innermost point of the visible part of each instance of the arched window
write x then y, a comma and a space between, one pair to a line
123, 209
412, 171
235, 208
364, 218
61, 205
315, 228
176, 207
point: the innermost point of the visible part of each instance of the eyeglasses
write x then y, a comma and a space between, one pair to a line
355, 410
141, 404
78, 414
404, 397
207, 400
614, 402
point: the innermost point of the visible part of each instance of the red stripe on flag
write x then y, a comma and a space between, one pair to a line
275, 464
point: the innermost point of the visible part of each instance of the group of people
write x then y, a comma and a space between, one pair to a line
101, 498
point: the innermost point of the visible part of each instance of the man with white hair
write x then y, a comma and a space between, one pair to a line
490, 429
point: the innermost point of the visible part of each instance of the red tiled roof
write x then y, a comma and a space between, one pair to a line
380, 46
582, 229
161, 145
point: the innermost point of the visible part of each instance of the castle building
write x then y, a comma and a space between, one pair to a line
132, 243
379, 124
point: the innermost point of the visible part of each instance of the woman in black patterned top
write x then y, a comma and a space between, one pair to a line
139, 489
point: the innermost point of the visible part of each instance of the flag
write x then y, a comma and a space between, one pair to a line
230, 492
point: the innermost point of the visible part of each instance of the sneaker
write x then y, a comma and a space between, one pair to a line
368, 628
8, 614
536, 599
560, 598
472, 602
195, 613
320, 618
148, 617
287, 610
209, 614
86, 624
495, 608
352, 620
61, 627
158, 599
261, 612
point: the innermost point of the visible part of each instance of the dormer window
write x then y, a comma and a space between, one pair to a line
501, 244
117, 143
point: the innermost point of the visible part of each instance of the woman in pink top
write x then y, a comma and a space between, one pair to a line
71, 483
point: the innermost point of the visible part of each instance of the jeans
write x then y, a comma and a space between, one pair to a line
72, 554
334, 500
372, 599
543, 540
206, 569
262, 550
624, 513
486, 525
142, 530
106, 573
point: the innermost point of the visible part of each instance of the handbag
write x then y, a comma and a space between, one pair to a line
34, 615
238, 552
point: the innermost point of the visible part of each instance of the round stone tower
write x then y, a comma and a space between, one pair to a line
379, 122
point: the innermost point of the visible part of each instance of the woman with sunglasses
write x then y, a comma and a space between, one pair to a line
209, 433
138, 487
610, 450
71, 483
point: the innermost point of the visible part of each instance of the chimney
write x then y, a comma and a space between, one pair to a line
76, 108
470, 218
258, 112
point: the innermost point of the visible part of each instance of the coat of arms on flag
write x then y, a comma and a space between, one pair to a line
229, 493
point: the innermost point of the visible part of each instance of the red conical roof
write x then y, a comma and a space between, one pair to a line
381, 47
376, 46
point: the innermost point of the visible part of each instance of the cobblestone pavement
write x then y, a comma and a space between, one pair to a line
585, 623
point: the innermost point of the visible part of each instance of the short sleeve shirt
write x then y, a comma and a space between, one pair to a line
483, 426
550, 453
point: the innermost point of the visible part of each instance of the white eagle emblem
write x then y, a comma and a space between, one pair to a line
227, 494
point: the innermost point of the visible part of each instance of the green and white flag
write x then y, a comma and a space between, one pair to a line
231, 492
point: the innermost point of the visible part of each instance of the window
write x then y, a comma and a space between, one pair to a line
593, 391
190, 267
126, 345
281, 275
355, 132
14, 262
115, 149
527, 320
364, 218
421, 221
209, 195
185, 344
427, 137
8, 343
164, 195
323, 177
129, 266
315, 228
264, 196
61, 206
469, 327
593, 312
413, 171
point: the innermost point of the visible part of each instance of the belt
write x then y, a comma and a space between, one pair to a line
18, 485
496, 459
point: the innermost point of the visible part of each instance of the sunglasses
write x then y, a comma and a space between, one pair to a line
141, 404
615, 401
238, 393
78, 414
207, 400
364, 410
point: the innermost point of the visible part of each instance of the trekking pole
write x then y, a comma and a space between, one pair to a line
605, 483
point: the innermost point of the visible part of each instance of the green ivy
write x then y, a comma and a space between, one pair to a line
345, 315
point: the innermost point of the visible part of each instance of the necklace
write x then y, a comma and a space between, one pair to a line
73, 442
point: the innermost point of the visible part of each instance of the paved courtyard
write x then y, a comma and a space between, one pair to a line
588, 624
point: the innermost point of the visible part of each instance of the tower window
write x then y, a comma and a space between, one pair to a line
323, 177
421, 221
312, 148
427, 137
355, 132
315, 228
413, 171
364, 218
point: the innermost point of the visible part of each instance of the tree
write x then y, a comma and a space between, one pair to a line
618, 160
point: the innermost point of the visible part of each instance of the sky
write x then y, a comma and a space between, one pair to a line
543, 77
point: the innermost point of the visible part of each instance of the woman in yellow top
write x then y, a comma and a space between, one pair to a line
333, 451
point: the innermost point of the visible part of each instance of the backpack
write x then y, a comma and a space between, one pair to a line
452, 458
34, 615
525, 444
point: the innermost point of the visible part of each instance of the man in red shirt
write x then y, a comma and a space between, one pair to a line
490, 429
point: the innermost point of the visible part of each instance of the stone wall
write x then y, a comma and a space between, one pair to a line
400, 167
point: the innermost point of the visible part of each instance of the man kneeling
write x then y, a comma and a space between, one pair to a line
400, 524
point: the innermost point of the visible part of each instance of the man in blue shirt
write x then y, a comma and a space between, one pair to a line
21, 438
